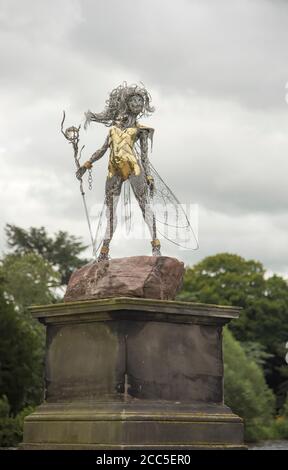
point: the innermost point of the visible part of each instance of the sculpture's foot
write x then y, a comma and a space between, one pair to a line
156, 247
104, 253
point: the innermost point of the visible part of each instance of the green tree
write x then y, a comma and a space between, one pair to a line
62, 251
11, 427
28, 279
246, 391
229, 279
224, 278
25, 279
285, 408
21, 357
31, 274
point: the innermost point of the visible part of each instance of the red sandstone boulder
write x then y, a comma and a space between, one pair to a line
150, 277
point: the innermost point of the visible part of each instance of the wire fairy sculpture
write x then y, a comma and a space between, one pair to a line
129, 163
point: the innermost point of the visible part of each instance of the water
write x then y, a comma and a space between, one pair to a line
269, 445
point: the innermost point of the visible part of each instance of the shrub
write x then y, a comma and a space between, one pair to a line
246, 391
11, 428
281, 422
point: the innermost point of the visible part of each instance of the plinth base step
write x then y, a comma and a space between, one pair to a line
151, 425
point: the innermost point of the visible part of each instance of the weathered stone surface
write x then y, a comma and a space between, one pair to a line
128, 373
137, 276
134, 424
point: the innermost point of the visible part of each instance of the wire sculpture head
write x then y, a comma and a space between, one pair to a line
121, 104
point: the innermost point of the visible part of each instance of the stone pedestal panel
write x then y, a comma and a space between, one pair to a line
128, 373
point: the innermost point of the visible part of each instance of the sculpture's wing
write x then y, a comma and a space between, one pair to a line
171, 216
100, 229
172, 221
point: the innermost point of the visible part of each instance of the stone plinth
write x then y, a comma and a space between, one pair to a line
158, 277
130, 373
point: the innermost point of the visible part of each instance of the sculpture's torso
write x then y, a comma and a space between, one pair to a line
123, 160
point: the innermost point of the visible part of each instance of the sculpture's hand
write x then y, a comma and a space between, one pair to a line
80, 172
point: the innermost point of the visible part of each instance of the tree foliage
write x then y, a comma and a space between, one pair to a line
30, 274
229, 279
62, 251
21, 357
28, 279
11, 427
246, 391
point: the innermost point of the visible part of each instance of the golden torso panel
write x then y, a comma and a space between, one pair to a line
123, 160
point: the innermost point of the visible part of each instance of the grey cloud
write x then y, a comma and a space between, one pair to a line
226, 48
217, 74
232, 49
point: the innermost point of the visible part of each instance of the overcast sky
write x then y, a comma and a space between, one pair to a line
217, 71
